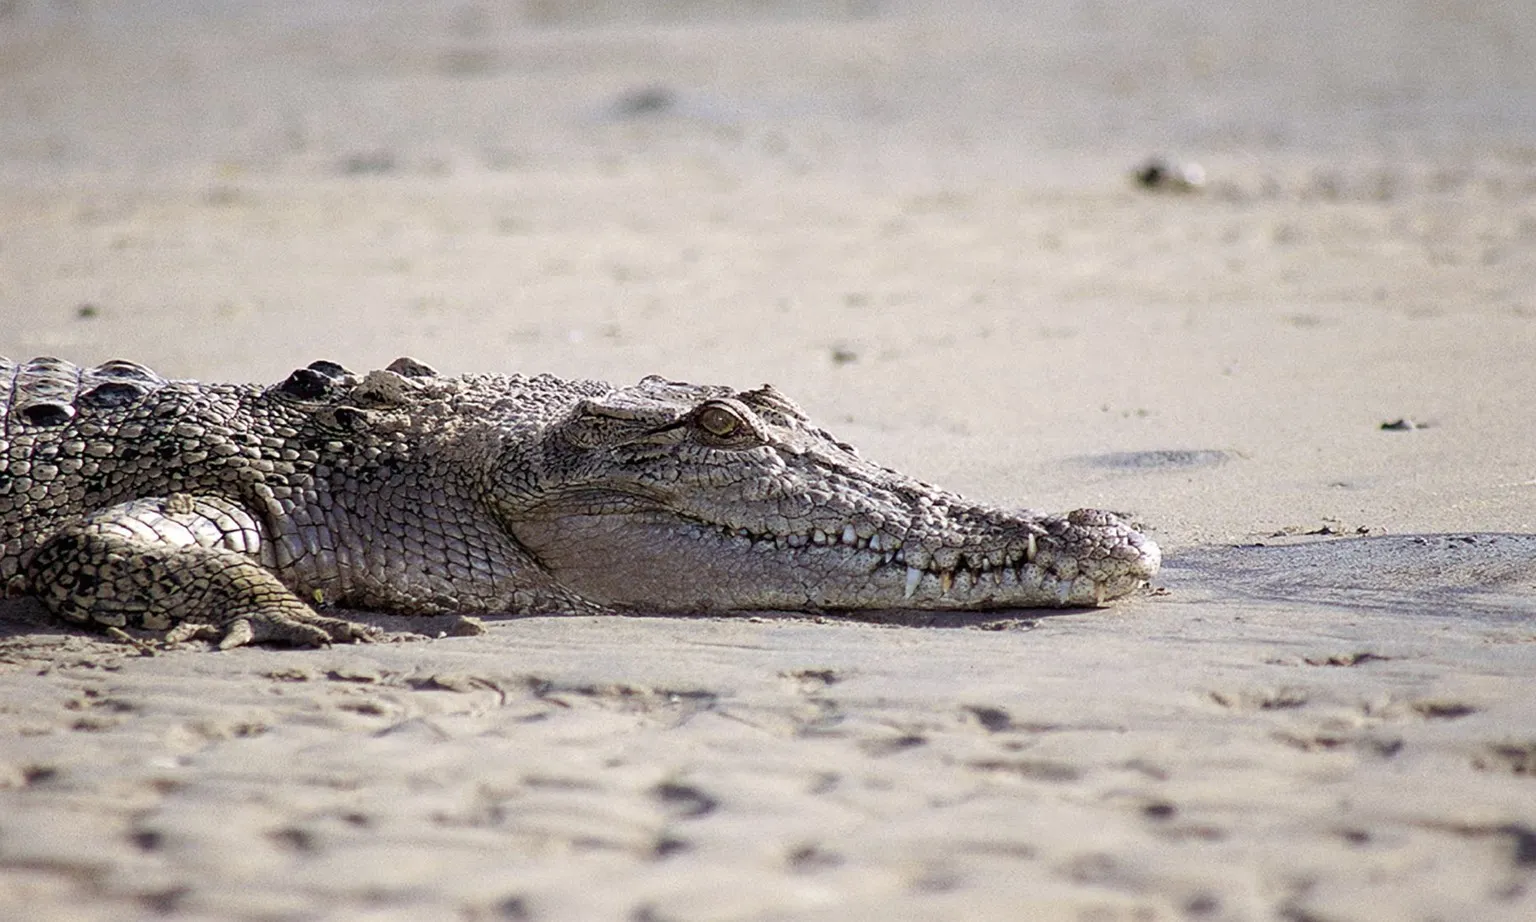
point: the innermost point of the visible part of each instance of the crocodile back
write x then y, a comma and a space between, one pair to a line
42, 395
59, 429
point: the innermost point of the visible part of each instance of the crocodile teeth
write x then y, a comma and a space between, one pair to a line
946, 580
914, 576
874, 542
1029, 552
850, 537
1098, 593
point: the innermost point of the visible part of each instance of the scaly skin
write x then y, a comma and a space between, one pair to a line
127, 500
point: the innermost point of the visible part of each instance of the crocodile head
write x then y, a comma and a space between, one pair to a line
667, 497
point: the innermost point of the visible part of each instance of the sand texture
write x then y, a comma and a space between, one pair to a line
918, 221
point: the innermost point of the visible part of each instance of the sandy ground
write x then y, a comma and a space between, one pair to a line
917, 221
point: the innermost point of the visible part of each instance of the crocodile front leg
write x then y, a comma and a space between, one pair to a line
186, 564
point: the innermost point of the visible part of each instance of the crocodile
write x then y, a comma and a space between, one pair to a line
241, 513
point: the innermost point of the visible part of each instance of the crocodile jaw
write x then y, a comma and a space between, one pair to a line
657, 562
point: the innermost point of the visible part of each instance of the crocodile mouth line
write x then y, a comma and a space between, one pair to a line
1012, 569
976, 572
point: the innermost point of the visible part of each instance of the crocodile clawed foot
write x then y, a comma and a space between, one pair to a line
309, 630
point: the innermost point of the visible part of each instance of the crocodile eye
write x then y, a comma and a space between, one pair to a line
720, 422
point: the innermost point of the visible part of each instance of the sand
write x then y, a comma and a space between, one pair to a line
918, 221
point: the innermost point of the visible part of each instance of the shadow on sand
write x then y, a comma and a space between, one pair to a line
1485, 576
